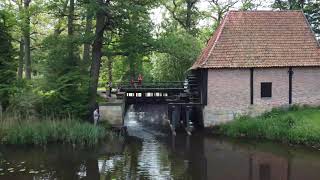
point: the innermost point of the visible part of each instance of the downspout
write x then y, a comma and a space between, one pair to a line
251, 86
290, 84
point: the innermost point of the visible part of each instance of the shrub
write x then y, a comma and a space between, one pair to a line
299, 125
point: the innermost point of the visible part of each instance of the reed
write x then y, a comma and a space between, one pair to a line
30, 130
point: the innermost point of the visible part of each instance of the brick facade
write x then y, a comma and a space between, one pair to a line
229, 91
306, 86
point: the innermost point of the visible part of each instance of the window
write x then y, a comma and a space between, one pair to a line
266, 89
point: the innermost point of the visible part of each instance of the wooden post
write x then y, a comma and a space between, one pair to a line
189, 127
173, 119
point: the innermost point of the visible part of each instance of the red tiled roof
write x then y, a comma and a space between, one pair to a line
247, 39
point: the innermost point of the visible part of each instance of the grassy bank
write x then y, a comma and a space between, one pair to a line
40, 132
298, 125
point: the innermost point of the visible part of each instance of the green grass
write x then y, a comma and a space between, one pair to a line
13, 130
298, 125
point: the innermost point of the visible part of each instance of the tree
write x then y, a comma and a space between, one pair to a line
26, 38
289, 4
185, 13
88, 32
65, 77
249, 5
135, 40
177, 52
313, 15
21, 54
59, 9
64, 84
96, 53
124, 21
70, 25
7, 62
220, 8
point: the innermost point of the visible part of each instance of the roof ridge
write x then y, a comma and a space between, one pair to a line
221, 26
273, 10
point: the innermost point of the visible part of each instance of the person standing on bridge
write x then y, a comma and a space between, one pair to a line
140, 78
132, 82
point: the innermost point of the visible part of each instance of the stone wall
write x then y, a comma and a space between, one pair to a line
112, 112
229, 91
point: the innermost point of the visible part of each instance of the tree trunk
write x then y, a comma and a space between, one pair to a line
71, 30
96, 57
188, 18
70, 18
132, 60
290, 4
21, 53
26, 39
109, 69
87, 44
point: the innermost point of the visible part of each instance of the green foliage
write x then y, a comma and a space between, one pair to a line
298, 125
248, 5
286, 4
24, 100
49, 130
65, 79
185, 13
7, 61
133, 42
313, 14
178, 52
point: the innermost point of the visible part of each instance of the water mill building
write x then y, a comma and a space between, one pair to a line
258, 60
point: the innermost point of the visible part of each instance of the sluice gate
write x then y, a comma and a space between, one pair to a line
184, 99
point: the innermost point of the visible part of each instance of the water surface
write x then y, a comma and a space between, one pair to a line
150, 152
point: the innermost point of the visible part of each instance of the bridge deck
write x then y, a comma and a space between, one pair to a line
152, 87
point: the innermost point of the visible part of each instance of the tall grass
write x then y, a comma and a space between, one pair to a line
298, 125
14, 130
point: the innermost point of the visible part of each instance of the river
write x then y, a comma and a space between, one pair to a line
149, 151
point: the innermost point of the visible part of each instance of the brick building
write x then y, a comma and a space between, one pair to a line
257, 60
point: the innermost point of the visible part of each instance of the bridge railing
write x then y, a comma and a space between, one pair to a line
136, 84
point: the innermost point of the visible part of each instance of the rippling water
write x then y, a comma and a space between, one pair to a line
150, 152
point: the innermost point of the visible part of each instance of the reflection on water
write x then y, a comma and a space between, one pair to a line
150, 152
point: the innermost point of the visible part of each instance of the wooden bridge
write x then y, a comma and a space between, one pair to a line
153, 92
184, 99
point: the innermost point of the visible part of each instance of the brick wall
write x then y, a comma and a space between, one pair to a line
280, 89
229, 91
306, 86
228, 94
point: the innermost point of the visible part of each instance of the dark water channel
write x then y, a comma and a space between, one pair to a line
150, 152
